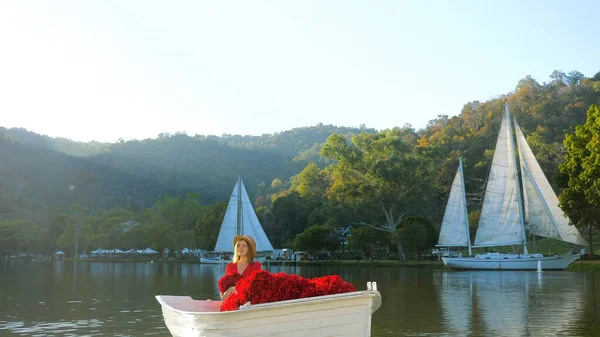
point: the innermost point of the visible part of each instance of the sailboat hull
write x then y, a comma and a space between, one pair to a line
497, 261
209, 260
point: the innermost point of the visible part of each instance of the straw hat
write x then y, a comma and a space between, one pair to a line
248, 239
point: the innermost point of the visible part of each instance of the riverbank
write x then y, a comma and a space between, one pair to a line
411, 264
407, 264
586, 265
589, 265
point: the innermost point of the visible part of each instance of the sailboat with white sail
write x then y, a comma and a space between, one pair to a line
240, 219
505, 215
454, 231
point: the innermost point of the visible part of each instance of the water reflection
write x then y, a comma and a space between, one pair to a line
500, 303
117, 299
456, 299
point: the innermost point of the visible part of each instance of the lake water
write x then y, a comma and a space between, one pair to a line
57, 298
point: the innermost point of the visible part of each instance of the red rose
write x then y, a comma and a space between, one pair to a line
263, 287
332, 284
228, 281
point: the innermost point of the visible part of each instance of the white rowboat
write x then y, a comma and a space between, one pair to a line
347, 314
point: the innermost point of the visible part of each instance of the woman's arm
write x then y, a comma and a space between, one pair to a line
227, 293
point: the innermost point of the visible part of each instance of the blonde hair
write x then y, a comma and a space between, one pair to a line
236, 256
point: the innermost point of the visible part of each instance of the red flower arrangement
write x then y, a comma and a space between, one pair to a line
228, 281
263, 287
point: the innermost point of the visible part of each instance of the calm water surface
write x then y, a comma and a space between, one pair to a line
44, 298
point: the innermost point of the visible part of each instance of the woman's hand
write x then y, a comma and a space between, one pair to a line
227, 293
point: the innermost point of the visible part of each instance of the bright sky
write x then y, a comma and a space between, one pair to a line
104, 70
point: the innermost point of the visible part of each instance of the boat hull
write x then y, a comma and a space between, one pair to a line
347, 314
209, 260
510, 262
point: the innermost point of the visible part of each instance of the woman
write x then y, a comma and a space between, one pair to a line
244, 252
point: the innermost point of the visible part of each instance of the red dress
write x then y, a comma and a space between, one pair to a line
232, 269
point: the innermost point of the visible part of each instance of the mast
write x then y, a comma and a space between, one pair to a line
514, 154
464, 195
240, 223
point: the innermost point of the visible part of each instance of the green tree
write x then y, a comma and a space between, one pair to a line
72, 239
332, 243
310, 183
21, 236
56, 226
179, 213
474, 216
331, 213
132, 238
77, 216
362, 237
276, 184
413, 233
110, 224
8, 244
291, 213
381, 177
267, 220
580, 200
574, 78
208, 226
312, 239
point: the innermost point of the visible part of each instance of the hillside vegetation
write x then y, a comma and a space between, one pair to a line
173, 186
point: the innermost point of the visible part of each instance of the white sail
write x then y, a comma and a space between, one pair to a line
248, 223
543, 215
251, 225
500, 221
503, 215
455, 226
229, 224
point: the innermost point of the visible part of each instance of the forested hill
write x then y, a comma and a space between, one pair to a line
36, 170
35, 179
320, 177
545, 112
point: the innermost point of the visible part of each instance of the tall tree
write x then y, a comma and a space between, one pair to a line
310, 182
364, 236
381, 177
21, 236
312, 239
207, 228
291, 213
574, 78
580, 200
77, 214
417, 233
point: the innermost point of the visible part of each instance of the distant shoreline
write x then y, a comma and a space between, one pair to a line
585, 265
